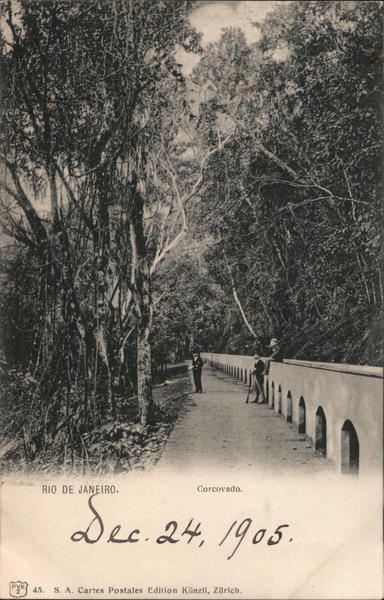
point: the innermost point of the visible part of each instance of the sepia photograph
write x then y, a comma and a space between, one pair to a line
191, 299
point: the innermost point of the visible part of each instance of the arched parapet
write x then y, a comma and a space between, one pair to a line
350, 449
345, 392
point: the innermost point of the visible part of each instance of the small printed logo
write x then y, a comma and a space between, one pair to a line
18, 589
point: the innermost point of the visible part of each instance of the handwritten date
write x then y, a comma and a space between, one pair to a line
174, 534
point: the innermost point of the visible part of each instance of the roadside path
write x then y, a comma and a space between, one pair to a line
218, 430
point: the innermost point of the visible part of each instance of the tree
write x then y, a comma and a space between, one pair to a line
300, 176
103, 139
84, 88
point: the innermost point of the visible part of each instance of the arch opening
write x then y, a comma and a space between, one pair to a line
279, 400
321, 432
289, 408
302, 416
273, 394
350, 449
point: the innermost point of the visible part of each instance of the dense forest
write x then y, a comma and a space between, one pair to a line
146, 211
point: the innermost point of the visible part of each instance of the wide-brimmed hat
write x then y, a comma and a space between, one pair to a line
273, 342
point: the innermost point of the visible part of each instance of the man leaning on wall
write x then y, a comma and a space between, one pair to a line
258, 378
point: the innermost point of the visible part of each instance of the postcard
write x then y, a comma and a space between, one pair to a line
191, 299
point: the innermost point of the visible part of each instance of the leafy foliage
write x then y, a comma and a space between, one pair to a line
295, 202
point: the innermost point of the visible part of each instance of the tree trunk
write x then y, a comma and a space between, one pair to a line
143, 306
144, 373
103, 352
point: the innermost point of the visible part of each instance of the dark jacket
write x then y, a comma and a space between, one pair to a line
197, 364
258, 370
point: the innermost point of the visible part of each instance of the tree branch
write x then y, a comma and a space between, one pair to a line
236, 297
25, 204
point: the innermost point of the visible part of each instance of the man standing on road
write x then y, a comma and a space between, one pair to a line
197, 367
258, 375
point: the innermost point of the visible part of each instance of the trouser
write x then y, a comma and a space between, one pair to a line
259, 387
197, 380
